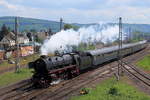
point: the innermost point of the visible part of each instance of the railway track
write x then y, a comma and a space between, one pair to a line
138, 74
61, 91
76, 85
141, 78
11, 89
66, 86
23, 93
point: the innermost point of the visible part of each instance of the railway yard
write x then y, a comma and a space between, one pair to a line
66, 89
50, 53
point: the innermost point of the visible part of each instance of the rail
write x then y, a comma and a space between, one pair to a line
143, 77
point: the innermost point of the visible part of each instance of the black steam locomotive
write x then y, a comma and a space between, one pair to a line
47, 69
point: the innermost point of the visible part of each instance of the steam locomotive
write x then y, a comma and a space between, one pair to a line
48, 69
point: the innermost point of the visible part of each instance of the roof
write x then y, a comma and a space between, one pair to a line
31, 44
2, 50
112, 48
6, 40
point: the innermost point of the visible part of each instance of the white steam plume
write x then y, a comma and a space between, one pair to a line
94, 33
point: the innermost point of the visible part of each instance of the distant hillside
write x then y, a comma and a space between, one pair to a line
39, 24
137, 27
133, 27
30, 23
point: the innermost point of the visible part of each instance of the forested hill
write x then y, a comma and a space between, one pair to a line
39, 24
30, 23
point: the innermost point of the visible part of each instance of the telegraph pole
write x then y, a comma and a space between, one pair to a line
61, 20
34, 47
120, 65
17, 45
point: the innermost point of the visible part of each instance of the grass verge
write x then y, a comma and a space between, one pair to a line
144, 63
23, 61
113, 90
11, 77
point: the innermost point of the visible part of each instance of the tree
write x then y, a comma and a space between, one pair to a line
25, 30
37, 39
9, 29
29, 35
137, 36
33, 31
4, 31
50, 32
69, 26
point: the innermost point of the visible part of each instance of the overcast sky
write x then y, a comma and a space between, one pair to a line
79, 11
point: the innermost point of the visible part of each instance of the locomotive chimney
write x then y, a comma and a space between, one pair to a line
43, 56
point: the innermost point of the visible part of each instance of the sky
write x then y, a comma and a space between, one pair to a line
79, 11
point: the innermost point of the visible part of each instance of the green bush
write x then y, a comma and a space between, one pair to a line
113, 91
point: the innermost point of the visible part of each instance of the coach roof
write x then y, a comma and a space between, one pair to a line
112, 48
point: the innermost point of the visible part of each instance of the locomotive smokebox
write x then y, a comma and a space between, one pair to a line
43, 56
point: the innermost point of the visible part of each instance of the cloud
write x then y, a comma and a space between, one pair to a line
7, 5
17, 10
119, 2
80, 11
